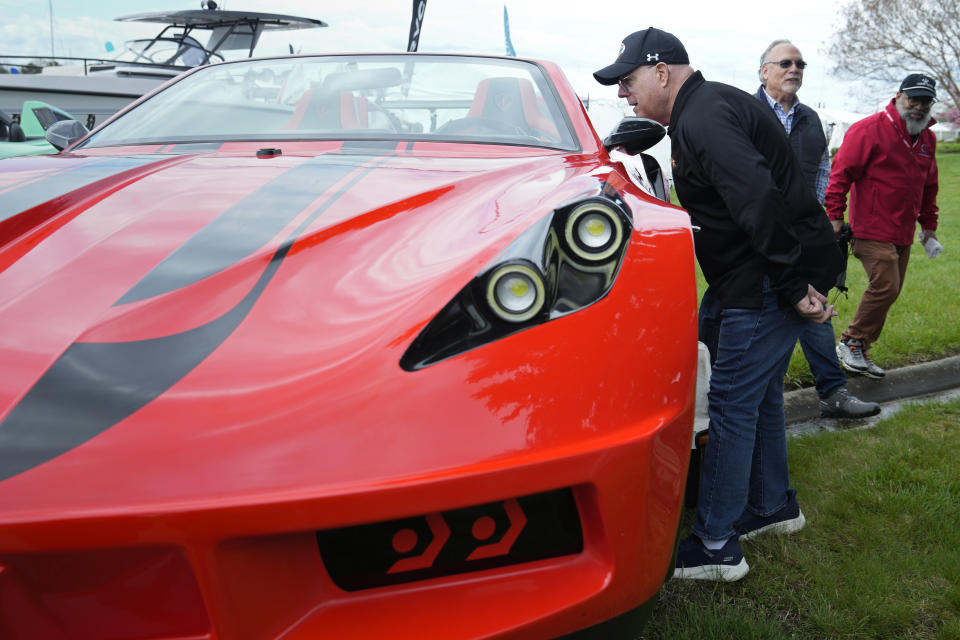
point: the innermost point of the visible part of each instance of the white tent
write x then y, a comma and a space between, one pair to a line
945, 132
835, 124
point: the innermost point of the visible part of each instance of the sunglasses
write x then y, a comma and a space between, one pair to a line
785, 64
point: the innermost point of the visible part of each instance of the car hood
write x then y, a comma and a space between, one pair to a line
151, 304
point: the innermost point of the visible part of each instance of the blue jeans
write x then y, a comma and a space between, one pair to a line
819, 346
745, 462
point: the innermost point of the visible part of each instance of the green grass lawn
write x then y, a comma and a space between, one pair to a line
924, 322
879, 557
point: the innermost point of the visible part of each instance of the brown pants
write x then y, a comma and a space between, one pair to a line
886, 267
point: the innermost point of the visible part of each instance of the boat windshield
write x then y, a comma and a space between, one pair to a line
183, 51
402, 97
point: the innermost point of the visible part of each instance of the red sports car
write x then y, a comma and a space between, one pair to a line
346, 346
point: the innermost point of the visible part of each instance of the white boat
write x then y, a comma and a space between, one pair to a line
96, 89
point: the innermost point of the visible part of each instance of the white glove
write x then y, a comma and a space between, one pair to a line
932, 247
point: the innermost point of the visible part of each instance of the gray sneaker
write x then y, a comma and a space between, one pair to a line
873, 369
850, 354
842, 404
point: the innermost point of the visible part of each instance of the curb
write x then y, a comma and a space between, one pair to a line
906, 382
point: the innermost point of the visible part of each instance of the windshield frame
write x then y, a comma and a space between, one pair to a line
569, 140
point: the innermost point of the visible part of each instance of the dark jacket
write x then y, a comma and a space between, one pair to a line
891, 178
735, 172
806, 138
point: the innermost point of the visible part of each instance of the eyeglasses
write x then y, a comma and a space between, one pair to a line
625, 81
921, 101
785, 64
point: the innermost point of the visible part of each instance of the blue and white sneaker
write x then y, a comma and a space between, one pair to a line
789, 519
696, 562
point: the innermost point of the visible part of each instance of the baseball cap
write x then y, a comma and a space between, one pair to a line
647, 47
917, 84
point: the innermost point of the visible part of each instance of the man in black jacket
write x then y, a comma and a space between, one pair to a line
767, 250
781, 75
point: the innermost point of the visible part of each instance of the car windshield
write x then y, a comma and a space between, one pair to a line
413, 97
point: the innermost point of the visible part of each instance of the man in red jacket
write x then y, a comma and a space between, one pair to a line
887, 163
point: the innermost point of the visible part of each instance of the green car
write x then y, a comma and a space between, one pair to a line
25, 138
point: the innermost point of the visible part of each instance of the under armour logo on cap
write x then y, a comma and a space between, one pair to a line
653, 56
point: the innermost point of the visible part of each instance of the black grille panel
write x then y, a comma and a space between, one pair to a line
497, 534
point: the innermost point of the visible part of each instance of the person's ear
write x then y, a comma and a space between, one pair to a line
663, 74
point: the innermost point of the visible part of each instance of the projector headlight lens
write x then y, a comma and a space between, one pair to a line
515, 292
593, 231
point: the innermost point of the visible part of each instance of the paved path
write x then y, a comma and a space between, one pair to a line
939, 378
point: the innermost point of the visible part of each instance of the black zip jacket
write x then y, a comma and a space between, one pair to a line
736, 175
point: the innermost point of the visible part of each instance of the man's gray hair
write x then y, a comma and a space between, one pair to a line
766, 54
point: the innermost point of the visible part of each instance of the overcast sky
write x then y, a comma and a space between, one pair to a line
724, 40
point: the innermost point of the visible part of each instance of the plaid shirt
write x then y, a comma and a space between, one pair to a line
786, 119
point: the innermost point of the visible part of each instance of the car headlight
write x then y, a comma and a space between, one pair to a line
515, 292
564, 262
593, 231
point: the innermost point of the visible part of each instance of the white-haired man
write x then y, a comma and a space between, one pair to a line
781, 76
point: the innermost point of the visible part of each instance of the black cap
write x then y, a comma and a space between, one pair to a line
917, 84
647, 47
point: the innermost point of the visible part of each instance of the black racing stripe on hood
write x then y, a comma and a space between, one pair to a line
63, 182
93, 386
243, 228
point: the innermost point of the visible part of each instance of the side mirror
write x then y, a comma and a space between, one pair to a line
635, 135
64, 133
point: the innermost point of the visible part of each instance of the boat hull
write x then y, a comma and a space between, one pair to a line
91, 99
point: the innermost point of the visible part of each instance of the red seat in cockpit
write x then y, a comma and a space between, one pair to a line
330, 110
510, 100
